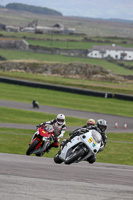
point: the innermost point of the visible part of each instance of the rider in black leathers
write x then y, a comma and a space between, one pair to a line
100, 126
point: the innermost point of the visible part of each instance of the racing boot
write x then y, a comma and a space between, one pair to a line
91, 159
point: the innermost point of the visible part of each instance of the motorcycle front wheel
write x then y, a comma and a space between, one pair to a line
32, 147
74, 156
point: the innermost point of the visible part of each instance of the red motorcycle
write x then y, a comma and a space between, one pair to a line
42, 140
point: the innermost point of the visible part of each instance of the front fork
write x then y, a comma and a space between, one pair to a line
35, 134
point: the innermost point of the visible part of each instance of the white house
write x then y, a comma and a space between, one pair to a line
115, 52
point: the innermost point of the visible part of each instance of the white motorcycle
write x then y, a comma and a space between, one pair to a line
80, 148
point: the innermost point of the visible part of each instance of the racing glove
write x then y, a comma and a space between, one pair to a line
40, 125
43, 123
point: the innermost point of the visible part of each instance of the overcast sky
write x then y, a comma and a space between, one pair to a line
119, 9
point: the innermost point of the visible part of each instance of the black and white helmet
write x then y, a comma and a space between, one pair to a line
101, 124
60, 119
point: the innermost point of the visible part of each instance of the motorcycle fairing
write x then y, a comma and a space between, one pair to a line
43, 133
86, 139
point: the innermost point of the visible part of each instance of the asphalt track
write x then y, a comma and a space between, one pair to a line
32, 178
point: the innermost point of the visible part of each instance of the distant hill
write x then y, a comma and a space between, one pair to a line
33, 9
110, 19
120, 20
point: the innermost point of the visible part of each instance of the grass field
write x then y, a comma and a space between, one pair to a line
71, 44
24, 55
10, 115
118, 150
65, 100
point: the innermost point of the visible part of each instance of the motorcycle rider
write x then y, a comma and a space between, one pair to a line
35, 104
90, 123
100, 126
60, 124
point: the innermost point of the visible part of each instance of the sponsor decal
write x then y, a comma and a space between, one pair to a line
94, 144
92, 141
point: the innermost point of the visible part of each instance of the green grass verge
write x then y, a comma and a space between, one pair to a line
117, 153
10, 115
118, 150
66, 44
65, 100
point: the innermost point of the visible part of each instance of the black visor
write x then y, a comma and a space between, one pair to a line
103, 128
60, 120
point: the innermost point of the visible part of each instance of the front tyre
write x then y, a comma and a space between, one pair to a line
74, 156
32, 147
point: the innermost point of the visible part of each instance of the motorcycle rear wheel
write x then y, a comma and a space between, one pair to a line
32, 147
73, 157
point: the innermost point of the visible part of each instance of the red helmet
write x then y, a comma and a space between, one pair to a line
90, 122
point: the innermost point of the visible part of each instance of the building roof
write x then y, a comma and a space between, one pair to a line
58, 25
111, 47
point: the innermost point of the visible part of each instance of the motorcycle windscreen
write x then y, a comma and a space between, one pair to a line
97, 136
48, 128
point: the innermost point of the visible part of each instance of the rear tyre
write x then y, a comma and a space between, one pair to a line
57, 159
32, 147
74, 156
